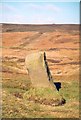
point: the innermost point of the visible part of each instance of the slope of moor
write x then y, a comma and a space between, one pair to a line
61, 44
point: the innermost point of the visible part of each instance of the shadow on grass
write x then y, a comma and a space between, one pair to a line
58, 85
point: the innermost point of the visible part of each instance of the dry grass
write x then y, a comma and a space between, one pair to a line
14, 105
62, 50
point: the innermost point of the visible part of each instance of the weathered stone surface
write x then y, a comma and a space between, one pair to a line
38, 70
43, 90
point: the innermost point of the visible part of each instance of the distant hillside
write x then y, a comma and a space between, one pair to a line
40, 28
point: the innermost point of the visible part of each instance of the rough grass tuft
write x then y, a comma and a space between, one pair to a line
45, 96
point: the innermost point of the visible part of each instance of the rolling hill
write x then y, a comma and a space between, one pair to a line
61, 44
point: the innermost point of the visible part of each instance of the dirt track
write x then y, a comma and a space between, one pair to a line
62, 48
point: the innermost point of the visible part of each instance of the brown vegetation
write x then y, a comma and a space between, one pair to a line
61, 44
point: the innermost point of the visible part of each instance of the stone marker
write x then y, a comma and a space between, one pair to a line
38, 70
41, 80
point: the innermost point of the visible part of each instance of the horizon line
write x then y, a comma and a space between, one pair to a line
42, 23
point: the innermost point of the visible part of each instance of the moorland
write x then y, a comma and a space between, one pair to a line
61, 44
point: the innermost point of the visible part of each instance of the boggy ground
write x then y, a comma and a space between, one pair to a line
62, 51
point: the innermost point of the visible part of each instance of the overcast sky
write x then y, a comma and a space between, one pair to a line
40, 12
